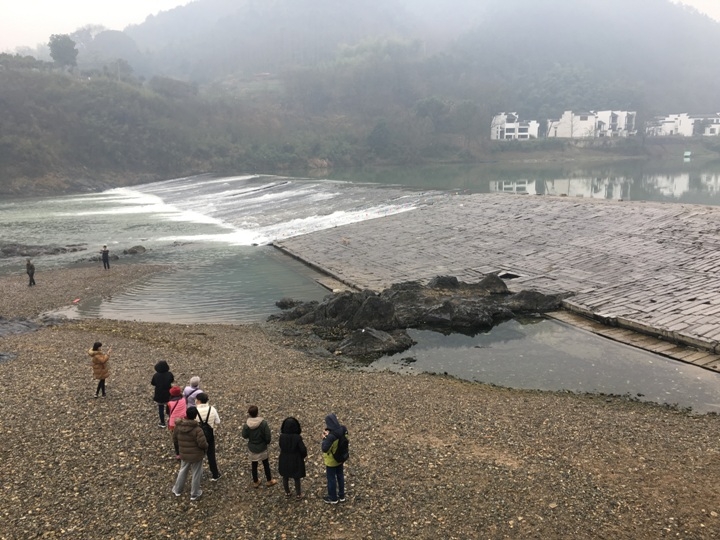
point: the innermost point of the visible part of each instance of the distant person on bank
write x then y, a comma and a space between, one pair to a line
162, 381
189, 437
207, 414
100, 366
257, 431
105, 253
30, 269
176, 410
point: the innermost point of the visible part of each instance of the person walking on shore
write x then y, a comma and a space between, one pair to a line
192, 390
189, 436
291, 463
162, 381
176, 409
257, 431
209, 420
100, 366
30, 270
334, 472
105, 254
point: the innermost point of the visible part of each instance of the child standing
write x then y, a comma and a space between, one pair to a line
257, 431
100, 366
293, 452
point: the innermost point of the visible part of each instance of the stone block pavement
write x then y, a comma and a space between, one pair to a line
648, 267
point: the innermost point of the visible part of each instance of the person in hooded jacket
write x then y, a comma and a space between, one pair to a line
176, 410
189, 436
291, 463
100, 366
162, 381
333, 470
257, 431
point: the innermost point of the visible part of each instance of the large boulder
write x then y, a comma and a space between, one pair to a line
369, 343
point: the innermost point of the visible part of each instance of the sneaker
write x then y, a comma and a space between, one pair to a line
162, 426
256, 484
329, 500
271, 482
178, 456
288, 494
216, 478
195, 498
341, 499
95, 396
175, 493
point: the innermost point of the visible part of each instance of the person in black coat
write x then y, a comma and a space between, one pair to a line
162, 381
292, 455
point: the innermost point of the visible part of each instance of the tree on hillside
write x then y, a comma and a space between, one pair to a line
62, 50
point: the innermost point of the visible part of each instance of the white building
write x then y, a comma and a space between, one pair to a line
507, 127
592, 124
685, 125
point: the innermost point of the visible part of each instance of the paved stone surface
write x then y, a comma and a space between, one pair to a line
649, 267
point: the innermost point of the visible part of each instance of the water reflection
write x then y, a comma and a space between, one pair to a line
543, 354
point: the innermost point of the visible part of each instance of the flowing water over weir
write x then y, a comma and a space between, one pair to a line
216, 231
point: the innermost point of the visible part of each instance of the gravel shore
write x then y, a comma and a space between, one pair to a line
431, 457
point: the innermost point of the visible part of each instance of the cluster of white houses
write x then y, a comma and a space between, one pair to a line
593, 124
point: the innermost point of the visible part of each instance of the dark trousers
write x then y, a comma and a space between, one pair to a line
335, 482
212, 462
286, 485
161, 412
266, 466
32, 280
106, 264
100, 386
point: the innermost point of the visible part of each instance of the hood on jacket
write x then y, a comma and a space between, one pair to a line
254, 423
162, 367
332, 423
291, 426
185, 425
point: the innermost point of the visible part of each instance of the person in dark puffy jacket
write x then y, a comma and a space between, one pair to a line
190, 438
257, 432
162, 381
291, 463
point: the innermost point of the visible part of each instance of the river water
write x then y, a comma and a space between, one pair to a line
216, 231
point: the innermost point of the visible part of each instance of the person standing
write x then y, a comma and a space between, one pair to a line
100, 366
162, 381
189, 436
257, 431
333, 469
30, 270
192, 390
291, 463
176, 409
105, 254
209, 420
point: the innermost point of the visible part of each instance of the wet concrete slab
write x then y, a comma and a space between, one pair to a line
651, 268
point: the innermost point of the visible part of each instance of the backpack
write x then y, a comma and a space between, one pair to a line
207, 428
342, 451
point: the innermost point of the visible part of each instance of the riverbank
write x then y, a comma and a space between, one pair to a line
431, 457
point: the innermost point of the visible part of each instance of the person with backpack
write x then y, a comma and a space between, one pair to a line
209, 420
176, 410
291, 463
257, 431
335, 449
192, 390
162, 381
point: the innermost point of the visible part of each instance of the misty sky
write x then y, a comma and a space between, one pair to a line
30, 22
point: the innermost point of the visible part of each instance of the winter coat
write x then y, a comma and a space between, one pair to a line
99, 364
190, 393
177, 409
191, 440
330, 441
257, 432
162, 381
291, 463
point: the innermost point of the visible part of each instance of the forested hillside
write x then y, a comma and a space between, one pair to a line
245, 85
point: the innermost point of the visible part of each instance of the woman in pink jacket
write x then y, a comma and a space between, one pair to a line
176, 409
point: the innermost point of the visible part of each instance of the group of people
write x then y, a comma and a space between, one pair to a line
30, 267
192, 422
